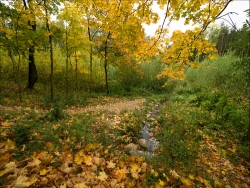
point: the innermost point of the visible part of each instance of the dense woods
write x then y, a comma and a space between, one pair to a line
72, 76
85, 44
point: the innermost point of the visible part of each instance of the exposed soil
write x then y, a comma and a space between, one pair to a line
114, 107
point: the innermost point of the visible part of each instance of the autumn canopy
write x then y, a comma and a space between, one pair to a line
112, 30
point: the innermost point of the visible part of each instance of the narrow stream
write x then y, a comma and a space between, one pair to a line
147, 140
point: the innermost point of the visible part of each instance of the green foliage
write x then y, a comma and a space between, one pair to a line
55, 114
22, 134
219, 74
132, 124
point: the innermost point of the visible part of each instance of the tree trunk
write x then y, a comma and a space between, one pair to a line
76, 61
67, 64
90, 60
106, 74
90, 68
106, 64
32, 74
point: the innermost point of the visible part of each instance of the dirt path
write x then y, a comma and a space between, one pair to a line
114, 107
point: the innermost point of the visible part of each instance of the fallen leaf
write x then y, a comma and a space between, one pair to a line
9, 145
78, 159
161, 184
96, 160
80, 185
191, 176
57, 153
186, 181
207, 183
174, 174
134, 173
111, 164
89, 147
10, 167
63, 185
102, 176
88, 160
5, 124
22, 182
43, 172
135, 167
35, 162
144, 167
120, 175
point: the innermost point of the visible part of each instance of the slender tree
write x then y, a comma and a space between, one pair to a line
32, 76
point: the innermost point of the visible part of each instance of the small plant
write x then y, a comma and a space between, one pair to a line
22, 134
55, 113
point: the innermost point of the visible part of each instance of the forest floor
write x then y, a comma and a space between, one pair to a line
114, 107
94, 164
112, 104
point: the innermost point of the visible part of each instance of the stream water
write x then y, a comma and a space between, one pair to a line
151, 143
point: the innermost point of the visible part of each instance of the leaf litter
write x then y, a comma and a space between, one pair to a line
94, 166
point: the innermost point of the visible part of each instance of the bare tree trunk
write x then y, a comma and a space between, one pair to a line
76, 61
32, 76
91, 68
90, 61
106, 64
67, 64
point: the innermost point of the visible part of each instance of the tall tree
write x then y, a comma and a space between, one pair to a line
32, 76
51, 51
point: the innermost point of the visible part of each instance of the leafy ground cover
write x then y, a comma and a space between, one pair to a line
54, 148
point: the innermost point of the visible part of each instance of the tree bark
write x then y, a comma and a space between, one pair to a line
90, 61
106, 64
67, 63
32, 74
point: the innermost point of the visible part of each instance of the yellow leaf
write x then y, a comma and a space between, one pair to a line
34, 163
121, 164
207, 183
191, 176
43, 172
78, 159
186, 181
141, 159
174, 174
5, 124
110, 164
134, 173
96, 160
87, 160
33, 180
135, 167
80, 185
120, 174
102, 176
144, 167
161, 184
89, 147
9, 145
63, 185
22, 182
57, 153
8, 168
